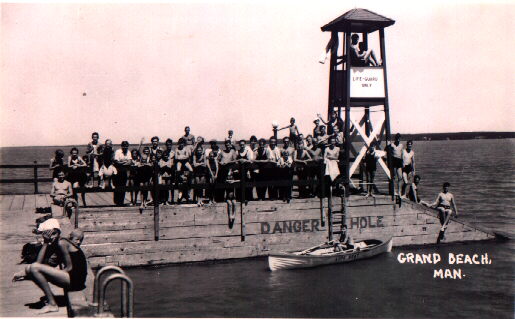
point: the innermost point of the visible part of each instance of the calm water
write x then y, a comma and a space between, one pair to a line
482, 176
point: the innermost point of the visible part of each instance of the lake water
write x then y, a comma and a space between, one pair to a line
481, 173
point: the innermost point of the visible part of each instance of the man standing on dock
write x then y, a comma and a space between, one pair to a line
122, 162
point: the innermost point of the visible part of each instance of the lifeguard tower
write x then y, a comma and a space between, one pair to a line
359, 87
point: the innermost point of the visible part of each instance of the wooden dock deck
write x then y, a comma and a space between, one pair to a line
29, 202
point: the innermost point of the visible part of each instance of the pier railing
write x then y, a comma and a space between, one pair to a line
34, 180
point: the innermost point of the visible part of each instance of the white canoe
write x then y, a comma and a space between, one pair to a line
325, 255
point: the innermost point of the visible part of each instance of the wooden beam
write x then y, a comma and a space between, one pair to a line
386, 110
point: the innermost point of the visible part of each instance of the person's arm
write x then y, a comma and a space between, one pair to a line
69, 190
64, 247
297, 130
436, 202
321, 119
82, 163
453, 203
42, 251
52, 191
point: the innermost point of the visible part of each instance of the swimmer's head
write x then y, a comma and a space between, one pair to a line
77, 236
169, 143
354, 38
125, 145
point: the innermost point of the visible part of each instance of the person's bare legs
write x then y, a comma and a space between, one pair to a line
398, 173
370, 56
43, 274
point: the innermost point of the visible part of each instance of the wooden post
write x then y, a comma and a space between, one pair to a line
321, 189
330, 213
242, 199
387, 113
332, 77
36, 177
347, 114
155, 192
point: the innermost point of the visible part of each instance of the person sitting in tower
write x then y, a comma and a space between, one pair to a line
360, 56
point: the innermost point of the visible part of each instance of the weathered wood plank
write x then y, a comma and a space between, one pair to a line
17, 203
30, 202
6, 202
41, 201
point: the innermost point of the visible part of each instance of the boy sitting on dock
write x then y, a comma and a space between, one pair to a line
61, 190
72, 276
445, 204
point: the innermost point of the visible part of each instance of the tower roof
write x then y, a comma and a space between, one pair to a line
358, 20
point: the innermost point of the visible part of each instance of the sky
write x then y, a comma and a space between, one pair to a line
133, 70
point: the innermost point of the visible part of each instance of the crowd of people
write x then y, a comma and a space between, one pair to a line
193, 161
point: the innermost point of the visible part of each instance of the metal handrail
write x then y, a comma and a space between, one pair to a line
96, 286
127, 308
74, 204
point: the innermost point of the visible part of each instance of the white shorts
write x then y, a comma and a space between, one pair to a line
107, 172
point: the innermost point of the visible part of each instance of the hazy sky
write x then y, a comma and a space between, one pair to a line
132, 70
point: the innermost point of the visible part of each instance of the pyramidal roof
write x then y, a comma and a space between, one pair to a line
358, 20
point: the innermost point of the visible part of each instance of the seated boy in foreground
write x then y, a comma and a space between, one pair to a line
73, 274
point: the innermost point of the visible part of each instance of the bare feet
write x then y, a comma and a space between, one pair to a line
48, 308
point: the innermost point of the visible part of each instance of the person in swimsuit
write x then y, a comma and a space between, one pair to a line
300, 159
134, 175
227, 159
331, 156
316, 129
322, 138
213, 168
145, 172
57, 164
92, 153
287, 146
445, 204
200, 172
370, 159
245, 157
107, 168
285, 174
182, 157
259, 160
273, 155
169, 154
76, 172
155, 145
73, 274
294, 130
188, 138
360, 56
122, 161
345, 242
396, 150
408, 166
61, 190
333, 121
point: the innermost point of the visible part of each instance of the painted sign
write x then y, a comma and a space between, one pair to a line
367, 82
366, 222
290, 226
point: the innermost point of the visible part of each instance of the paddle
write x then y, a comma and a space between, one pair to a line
444, 226
315, 247
140, 143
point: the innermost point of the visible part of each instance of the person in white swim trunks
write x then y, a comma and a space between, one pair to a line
408, 166
445, 204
